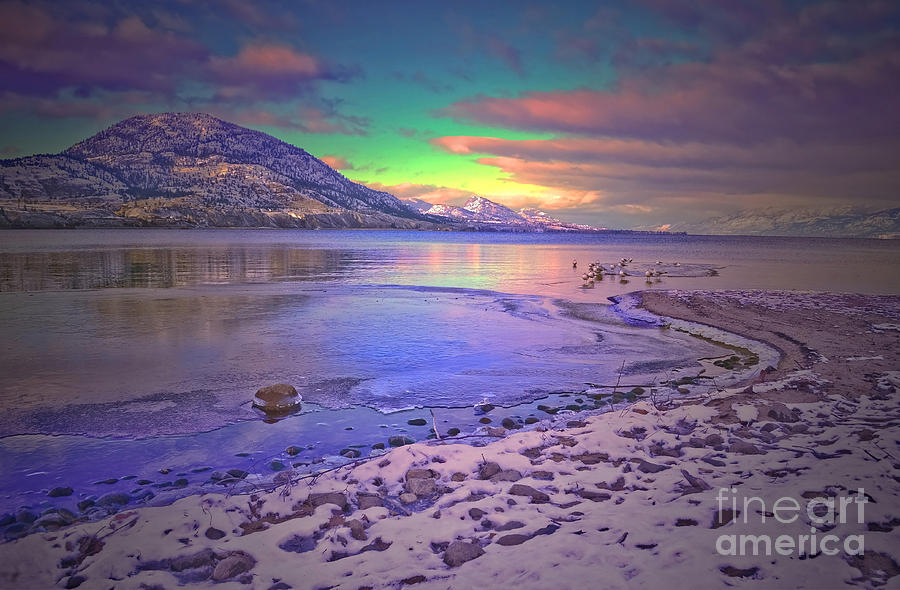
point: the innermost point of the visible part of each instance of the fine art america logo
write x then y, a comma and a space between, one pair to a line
824, 512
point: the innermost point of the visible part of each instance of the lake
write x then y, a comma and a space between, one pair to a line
127, 352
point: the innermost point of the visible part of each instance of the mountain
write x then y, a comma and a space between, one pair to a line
841, 223
479, 213
190, 169
486, 210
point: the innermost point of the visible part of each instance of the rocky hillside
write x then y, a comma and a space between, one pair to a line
189, 169
847, 223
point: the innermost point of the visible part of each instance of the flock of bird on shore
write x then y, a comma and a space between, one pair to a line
596, 271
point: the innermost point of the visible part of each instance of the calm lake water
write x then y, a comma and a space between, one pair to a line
139, 350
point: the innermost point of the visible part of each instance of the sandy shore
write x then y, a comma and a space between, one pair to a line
649, 496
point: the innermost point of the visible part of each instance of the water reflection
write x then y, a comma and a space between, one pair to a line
172, 267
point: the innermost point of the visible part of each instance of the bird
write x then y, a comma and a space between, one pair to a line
574, 264
649, 273
621, 273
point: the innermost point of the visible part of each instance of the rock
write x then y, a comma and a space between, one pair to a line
648, 467
417, 579
506, 475
476, 513
277, 399
75, 582
234, 565
458, 476
508, 526
60, 492
537, 497
51, 522
237, 473
399, 441
543, 475
350, 453
513, 539
113, 499
714, 439
214, 533
293, 451
420, 486
781, 413
510, 424
202, 558
357, 529
417, 422
421, 474
459, 552
452, 431
319, 499
369, 501
488, 470
85, 504
744, 448
531, 420
15, 531
408, 498
26, 516
485, 420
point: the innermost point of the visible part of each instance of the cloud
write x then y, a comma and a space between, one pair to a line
769, 106
427, 192
307, 119
40, 53
337, 162
263, 70
420, 78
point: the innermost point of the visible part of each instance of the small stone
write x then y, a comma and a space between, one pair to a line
531, 420
485, 420
293, 451
744, 448
214, 533
202, 558
420, 486
508, 526
378, 446
513, 539
237, 473
75, 582
496, 431
781, 413
510, 424
714, 439
476, 513
408, 498
357, 529
459, 552
114, 499
413, 579
85, 504
421, 474
488, 470
369, 501
648, 467
399, 441
319, 499
543, 475
453, 431
59, 492
506, 475
537, 497
458, 476
417, 422
350, 453
234, 565
277, 399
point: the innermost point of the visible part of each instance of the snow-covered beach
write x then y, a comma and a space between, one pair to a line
637, 497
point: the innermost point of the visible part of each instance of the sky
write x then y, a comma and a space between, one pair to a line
648, 113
